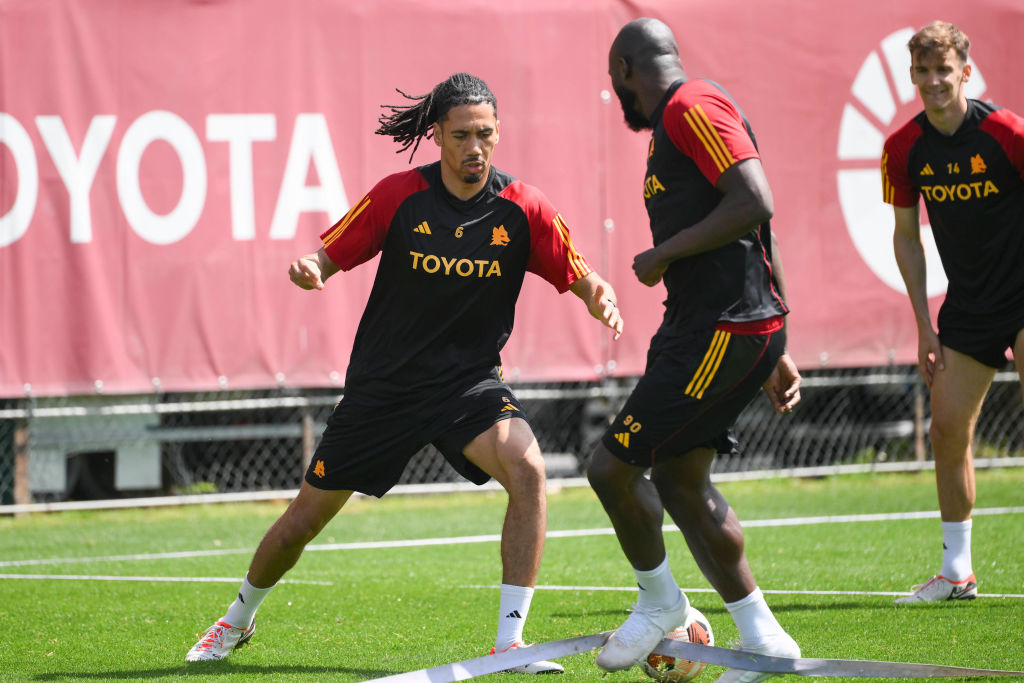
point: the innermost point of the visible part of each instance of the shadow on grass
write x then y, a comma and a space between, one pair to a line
623, 612
780, 607
214, 669
867, 604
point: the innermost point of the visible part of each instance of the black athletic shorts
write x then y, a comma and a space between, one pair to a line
367, 444
979, 337
693, 388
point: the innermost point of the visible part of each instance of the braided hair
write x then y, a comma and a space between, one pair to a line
409, 124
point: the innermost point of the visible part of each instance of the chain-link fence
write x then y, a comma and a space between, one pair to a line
98, 447
8, 462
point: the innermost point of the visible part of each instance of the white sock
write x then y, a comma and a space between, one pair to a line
243, 609
512, 611
658, 588
754, 620
956, 550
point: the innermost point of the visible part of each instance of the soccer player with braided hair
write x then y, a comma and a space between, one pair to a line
456, 238
408, 124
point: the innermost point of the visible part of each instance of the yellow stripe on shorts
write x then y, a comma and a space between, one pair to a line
709, 366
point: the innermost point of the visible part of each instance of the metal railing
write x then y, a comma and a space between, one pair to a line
55, 449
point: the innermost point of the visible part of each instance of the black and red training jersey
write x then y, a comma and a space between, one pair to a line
973, 190
443, 302
698, 134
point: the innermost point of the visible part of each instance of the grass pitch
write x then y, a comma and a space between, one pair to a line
133, 611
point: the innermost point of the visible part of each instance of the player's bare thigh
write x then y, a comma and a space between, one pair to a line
959, 389
507, 451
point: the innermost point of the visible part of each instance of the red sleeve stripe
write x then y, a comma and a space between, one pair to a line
709, 366
343, 224
888, 191
713, 143
578, 263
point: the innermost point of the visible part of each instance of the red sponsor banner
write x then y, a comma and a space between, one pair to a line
162, 163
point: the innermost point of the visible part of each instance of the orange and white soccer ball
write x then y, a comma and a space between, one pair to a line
668, 669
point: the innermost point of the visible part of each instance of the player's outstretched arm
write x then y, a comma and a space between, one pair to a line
312, 270
600, 299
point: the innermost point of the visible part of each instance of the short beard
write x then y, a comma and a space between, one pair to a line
634, 119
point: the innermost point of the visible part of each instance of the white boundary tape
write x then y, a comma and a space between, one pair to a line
766, 591
489, 664
854, 668
747, 661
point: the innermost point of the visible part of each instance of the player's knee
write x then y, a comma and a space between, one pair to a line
523, 470
948, 435
672, 487
530, 467
294, 535
296, 528
602, 473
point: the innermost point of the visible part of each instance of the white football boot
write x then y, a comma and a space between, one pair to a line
779, 646
641, 633
219, 640
939, 589
533, 668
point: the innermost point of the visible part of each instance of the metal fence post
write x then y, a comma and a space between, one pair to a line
308, 438
21, 491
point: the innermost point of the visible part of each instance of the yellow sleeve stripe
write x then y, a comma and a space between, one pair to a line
578, 263
713, 143
709, 366
888, 191
343, 224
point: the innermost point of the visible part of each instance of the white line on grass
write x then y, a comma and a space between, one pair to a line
125, 558
465, 486
776, 592
148, 579
877, 517
494, 538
